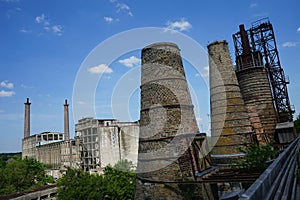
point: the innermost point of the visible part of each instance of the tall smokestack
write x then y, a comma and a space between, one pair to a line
66, 120
230, 125
27, 119
167, 126
245, 40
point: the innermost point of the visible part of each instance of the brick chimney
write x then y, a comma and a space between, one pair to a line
66, 120
27, 119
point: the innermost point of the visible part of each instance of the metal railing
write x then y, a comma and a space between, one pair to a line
279, 180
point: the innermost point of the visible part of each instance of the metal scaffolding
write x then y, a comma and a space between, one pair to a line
262, 39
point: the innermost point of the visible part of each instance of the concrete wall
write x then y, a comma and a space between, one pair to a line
49, 148
107, 141
49, 154
49, 193
29, 147
118, 142
109, 145
129, 139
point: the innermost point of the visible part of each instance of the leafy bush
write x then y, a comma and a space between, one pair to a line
297, 124
116, 183
256, 157
22, 175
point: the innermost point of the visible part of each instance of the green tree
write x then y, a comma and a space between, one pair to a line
7, 157
77, 184
256, 157
297, 124
117, 183
22, 175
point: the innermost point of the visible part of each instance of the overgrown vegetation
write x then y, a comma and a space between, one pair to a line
116, 183
297, 127
297, 124
19, 175
256, 157
7, 157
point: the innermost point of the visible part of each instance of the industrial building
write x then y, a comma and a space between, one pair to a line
107, 141
249, 105
97, 143
52, 148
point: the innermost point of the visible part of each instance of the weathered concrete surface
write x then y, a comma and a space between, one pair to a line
49, 193
107, 141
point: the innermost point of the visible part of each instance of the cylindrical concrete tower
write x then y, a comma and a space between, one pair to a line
167, 127
27, 119
230, 125
66, 120
256, 92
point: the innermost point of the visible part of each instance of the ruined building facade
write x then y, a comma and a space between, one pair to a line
51, 148
107, 141
97, 143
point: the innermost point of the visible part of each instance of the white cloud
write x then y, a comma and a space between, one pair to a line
290, 44
205, 74
206, 68
298, 29
124, 7
24, 30
47, 26
130, 62
6, 84
42, 20
57, 29
182, 25
110, 19
253, 5
4, 93
100, 69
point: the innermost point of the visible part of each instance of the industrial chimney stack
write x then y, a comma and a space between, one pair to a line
66, 120
166, 155
27, 119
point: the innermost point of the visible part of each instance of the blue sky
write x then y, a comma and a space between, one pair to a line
45, 43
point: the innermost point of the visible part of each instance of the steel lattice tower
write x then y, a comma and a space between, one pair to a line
262, 39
